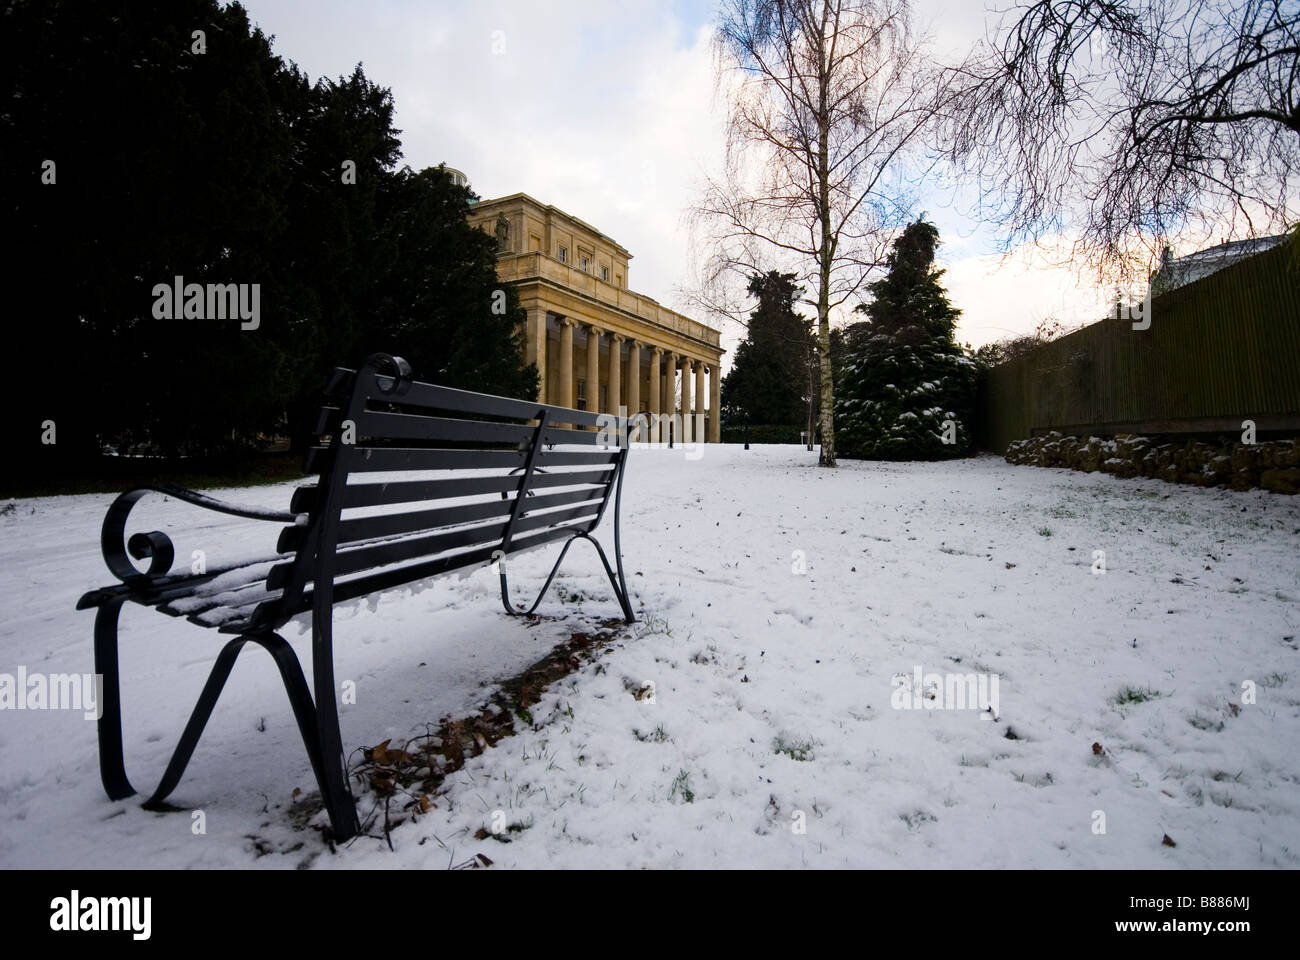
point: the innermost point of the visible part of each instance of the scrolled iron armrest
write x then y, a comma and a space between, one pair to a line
156, 546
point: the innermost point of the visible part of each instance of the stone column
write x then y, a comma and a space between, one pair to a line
715, 403
535, 349
698, 428
615, 373
634, 379
670, 395
566, 398
593, 369
655, 409
687, 424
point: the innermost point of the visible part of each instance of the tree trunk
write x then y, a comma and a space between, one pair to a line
826, 258
827, 458
810, 370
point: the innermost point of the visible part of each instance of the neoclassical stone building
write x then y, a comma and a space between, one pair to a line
598, 345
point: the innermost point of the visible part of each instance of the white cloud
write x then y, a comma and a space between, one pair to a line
608, 112
604, 110
1002, 296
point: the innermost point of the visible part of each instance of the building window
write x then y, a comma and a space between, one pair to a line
585, 264
582, 390
604, 274
564, 254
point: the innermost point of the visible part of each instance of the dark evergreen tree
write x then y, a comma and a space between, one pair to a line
906, 389
136, 152
334, 256
131, 159
448, 321
768, 381
846, 341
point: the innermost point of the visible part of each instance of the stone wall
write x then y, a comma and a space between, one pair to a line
1273, 465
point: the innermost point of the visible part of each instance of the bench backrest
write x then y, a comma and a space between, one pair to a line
418, 480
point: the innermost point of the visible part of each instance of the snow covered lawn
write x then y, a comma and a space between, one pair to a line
779, 602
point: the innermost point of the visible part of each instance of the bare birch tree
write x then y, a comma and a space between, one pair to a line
1132, 120
825, 100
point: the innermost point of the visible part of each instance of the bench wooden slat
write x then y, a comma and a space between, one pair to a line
409, 491
395, 459
388, 579
408, 426
434, 397
398, 549
366, 559
360, 529
576, 458
394, 524
194, 606
395, 550
369, 528
167, 588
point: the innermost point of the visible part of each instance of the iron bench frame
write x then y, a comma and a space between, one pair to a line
309, 549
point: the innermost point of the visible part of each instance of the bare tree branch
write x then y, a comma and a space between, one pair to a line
1134, 121
827, 100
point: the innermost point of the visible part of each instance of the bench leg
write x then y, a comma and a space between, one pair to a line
333, 770
619, 585
112, 767
617, 582
295, 686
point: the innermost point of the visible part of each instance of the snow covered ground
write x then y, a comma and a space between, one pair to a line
779, 604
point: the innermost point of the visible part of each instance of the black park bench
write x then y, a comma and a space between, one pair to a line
414, 480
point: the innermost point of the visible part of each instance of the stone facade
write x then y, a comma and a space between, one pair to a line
1273, 465
597, 344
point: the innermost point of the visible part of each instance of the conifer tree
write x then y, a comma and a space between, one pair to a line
151, 140
441, 306
768, 380
907, 389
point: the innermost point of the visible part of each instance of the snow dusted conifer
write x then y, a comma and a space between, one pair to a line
908, 388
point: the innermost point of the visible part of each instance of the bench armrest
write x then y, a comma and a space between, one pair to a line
156, 545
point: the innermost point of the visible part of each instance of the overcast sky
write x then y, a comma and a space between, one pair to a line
607, 111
